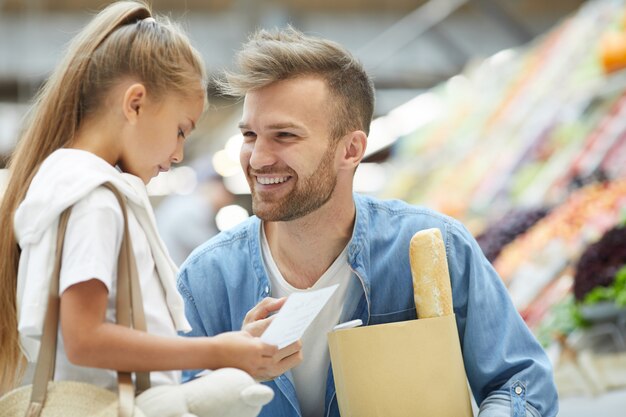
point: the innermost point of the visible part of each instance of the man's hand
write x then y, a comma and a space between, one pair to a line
282, 361
257, 320
255, 323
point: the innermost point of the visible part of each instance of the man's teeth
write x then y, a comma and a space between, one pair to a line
267, 181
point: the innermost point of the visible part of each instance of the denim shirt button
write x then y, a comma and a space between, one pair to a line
266, 291
518, 390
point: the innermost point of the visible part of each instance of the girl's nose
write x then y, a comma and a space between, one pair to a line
178, 155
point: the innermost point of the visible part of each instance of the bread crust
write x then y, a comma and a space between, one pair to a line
431, 279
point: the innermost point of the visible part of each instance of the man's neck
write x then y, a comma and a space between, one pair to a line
305, 248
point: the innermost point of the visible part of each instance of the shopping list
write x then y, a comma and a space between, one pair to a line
296, 315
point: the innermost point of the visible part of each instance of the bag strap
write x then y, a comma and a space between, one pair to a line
44, 370
129, 309
129, 302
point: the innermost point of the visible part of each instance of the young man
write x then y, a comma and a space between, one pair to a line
307, 110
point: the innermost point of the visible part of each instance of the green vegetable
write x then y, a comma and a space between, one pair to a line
615, 292
564, 317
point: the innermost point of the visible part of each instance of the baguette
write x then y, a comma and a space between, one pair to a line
431, 278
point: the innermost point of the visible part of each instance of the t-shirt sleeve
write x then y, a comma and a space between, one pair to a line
92, 240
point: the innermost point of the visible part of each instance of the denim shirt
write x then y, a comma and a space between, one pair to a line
508, 371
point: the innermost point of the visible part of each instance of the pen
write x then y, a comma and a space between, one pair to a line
348, 324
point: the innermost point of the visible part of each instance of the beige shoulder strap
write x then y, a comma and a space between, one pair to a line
129, 302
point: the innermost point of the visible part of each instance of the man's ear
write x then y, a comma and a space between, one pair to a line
354, 145
134, 101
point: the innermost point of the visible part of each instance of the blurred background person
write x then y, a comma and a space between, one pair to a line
187, 220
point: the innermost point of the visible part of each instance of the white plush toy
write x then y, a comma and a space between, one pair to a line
223, 393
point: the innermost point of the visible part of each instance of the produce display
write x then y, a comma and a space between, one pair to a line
598, 267
583, 217
506, 229
521, 128
530, 153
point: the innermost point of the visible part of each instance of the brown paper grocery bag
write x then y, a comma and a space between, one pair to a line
406, 369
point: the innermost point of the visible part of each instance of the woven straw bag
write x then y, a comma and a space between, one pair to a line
63, 399
45, 398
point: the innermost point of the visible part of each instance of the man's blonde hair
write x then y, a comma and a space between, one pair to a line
271, 56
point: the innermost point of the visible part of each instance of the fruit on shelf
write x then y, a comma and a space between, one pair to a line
613, 51
506, 229
588, 212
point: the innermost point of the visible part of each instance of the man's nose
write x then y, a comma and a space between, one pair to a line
262, 154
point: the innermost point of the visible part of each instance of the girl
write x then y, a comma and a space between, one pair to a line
128, 92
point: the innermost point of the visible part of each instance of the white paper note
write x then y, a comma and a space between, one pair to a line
296, 315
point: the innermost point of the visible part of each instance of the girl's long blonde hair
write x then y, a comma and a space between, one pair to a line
122, 40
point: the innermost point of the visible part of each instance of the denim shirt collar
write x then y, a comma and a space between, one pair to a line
358, 249
256, 258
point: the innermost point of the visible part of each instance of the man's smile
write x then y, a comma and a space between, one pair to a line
269, 180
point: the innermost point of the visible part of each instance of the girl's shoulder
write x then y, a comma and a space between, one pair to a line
100, 201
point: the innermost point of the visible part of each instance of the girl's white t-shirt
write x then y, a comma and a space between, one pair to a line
309, 377
92, 244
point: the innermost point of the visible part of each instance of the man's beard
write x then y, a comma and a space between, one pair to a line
309, 194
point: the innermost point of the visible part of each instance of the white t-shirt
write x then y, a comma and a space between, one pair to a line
92, 243
310, 376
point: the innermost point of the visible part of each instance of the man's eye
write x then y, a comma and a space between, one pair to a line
248, 136
285, 134
181, 133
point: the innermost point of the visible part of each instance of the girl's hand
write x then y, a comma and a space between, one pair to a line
92, 341
261, 360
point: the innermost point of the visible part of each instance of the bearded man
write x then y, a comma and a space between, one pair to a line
307, 109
